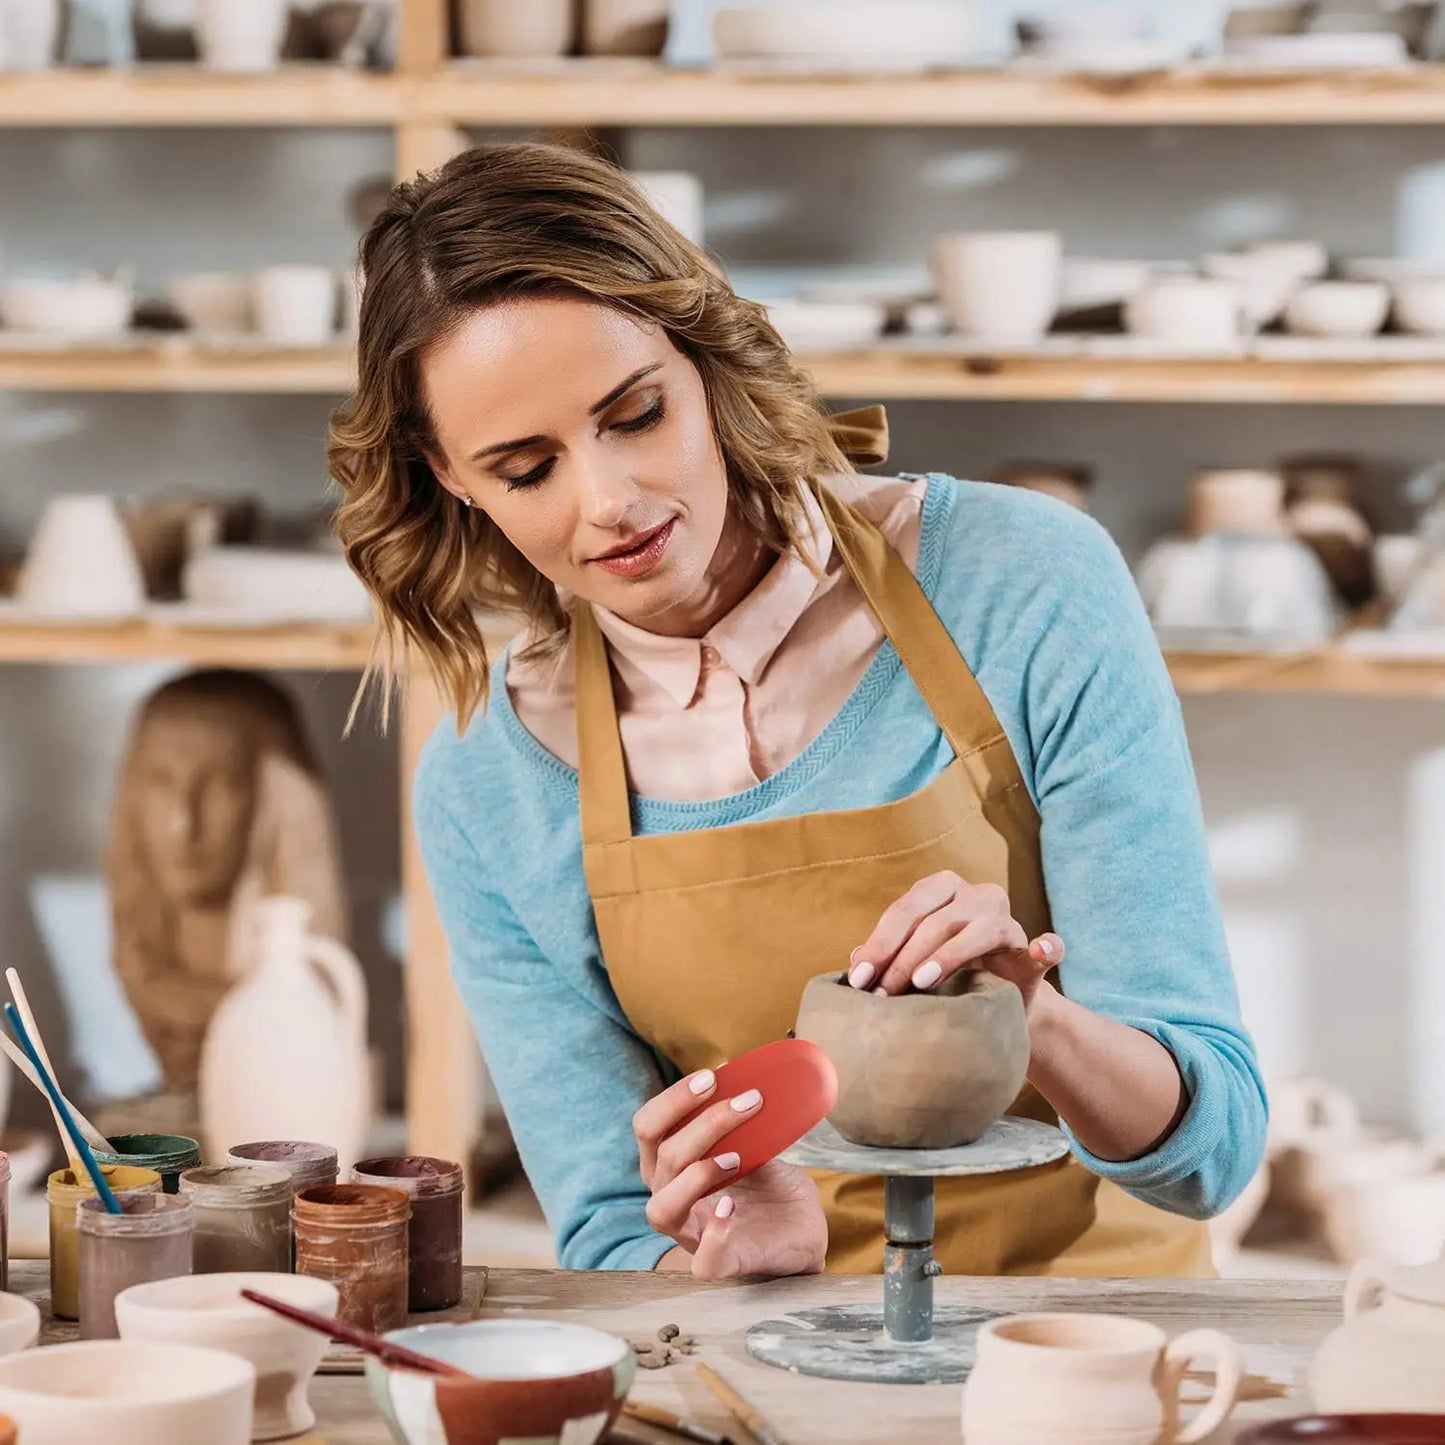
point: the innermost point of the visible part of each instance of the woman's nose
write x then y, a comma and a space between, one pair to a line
607, 496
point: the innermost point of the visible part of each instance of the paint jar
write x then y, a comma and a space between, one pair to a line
309, 1165
243, 1217
64, 1190
152, 1238
435, 1233
168, 1154
4, 1220
355, 1235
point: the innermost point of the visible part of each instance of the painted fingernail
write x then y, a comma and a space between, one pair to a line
882, 988
928, 974
728, 1162
1046, 948
862, 975
725, 1207
701, 1083
747, 1101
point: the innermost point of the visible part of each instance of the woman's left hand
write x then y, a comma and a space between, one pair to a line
944, 924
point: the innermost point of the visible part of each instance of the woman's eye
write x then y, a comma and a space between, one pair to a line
642, 422
539, 473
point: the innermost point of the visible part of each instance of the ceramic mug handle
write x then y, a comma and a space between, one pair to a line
1364, 1287
1228, 1373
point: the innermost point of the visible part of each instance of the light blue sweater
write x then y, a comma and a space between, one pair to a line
1043, 607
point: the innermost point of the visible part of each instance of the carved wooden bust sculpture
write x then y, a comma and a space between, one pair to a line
219, 803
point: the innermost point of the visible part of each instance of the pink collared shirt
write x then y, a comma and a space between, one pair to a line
704, 717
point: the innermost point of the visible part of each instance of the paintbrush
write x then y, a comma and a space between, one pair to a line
40, 1057
738, 1407
662, 1419
93, 1136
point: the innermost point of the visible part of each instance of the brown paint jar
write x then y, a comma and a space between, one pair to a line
355, 1235
64, 1191
435, 1234
243, 1217
152, 1238
308, 1164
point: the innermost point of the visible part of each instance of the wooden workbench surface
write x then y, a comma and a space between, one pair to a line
1277, 1323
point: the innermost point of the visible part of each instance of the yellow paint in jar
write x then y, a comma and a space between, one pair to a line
63, 1192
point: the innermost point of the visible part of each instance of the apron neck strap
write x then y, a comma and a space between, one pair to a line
923, 644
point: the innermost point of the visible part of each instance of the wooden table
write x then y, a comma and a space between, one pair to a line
1278, 1324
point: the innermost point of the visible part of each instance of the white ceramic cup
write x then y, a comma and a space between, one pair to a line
80, 562
214, 301
128, 1394
1040, 1379
1399, 1219
29, 33
296, 305
1000, 285
207, 1309
1186, 311
242, 38
678, 197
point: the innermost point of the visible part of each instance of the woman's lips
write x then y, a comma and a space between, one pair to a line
641, 559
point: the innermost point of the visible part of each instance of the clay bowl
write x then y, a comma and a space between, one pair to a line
1350, 1430
207, 1309
19, 1324
921, 1070
124, 1393
543, 1382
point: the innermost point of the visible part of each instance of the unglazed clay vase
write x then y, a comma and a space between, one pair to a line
624, 27
537, 1381
207, 1309
285, 1054
123, 1393
921, 1070
1091, 1380
1388, 1353
503, 29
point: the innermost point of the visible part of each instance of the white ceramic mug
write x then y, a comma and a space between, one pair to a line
1089, 1378
29, 33
242, 37
296, 305
677, 197
1000, 285
1186, 311
80, 562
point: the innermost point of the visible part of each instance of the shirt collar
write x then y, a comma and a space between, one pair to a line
748, 636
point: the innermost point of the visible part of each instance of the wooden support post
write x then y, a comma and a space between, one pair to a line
424, 145
424, 41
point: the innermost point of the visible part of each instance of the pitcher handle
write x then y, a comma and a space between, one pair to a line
1365, 1287
1222, 1352
341, 970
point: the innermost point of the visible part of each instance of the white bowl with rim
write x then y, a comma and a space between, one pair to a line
1338, 308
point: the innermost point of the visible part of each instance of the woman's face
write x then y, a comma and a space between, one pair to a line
586, 437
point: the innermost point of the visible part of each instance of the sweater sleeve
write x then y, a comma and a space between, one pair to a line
1127, 868
569, 1074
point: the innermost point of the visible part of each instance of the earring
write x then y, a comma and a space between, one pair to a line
465, 501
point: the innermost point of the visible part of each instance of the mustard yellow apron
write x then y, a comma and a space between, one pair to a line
709, 936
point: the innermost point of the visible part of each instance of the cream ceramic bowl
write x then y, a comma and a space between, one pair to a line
123, 1393
19, 1324
817, 33
1338, 308
1420, 305
87, 306
207, 1309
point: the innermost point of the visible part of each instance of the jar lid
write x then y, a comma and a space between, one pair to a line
168, 1153
419, 1175
141, 1214
237, 1185
66, 1184
341, 1205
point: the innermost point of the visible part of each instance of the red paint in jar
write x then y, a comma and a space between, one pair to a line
355, 1235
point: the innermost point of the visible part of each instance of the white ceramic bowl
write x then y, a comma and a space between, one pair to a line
258, 582
1303, 260
1186, 312
1086, 282
207, 1309
540, 1381
214, 301
1338, 308
124, 1393
850, 33
826, 325
1263, 287
1389, 269
19, 1324
1332, 51
1420, 305
87, 306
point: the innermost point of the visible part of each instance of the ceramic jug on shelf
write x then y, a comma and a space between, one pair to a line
285, 1054
1387, 1354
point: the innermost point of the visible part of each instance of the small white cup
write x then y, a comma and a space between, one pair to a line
241, 36
678, 197
296, 305
1000, 285
29, 33
1186, 311
80, 562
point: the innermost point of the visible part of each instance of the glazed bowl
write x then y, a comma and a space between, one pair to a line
19, 1323
207, 1309
1338, 308
1420, 305
543, 1382
919, 1070
85, 306
214, 301
126, 1393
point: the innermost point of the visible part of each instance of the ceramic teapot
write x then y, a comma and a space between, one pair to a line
285, 1054
1387, 1354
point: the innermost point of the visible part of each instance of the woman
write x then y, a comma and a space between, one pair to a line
769, 718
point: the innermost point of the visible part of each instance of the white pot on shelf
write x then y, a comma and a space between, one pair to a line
241, 36
1000, 285
80, 562
503, 29
29, 33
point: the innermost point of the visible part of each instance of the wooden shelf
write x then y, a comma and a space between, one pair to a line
306, 647
185, 95
635, 93
1328, 672
177, 365
885, 374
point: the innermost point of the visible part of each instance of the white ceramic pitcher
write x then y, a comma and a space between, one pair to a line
285, 1054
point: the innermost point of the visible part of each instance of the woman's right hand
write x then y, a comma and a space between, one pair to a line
771, 1223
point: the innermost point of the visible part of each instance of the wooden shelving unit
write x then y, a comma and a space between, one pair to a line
428, 105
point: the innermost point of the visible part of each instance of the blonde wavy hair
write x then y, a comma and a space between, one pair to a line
523, 219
